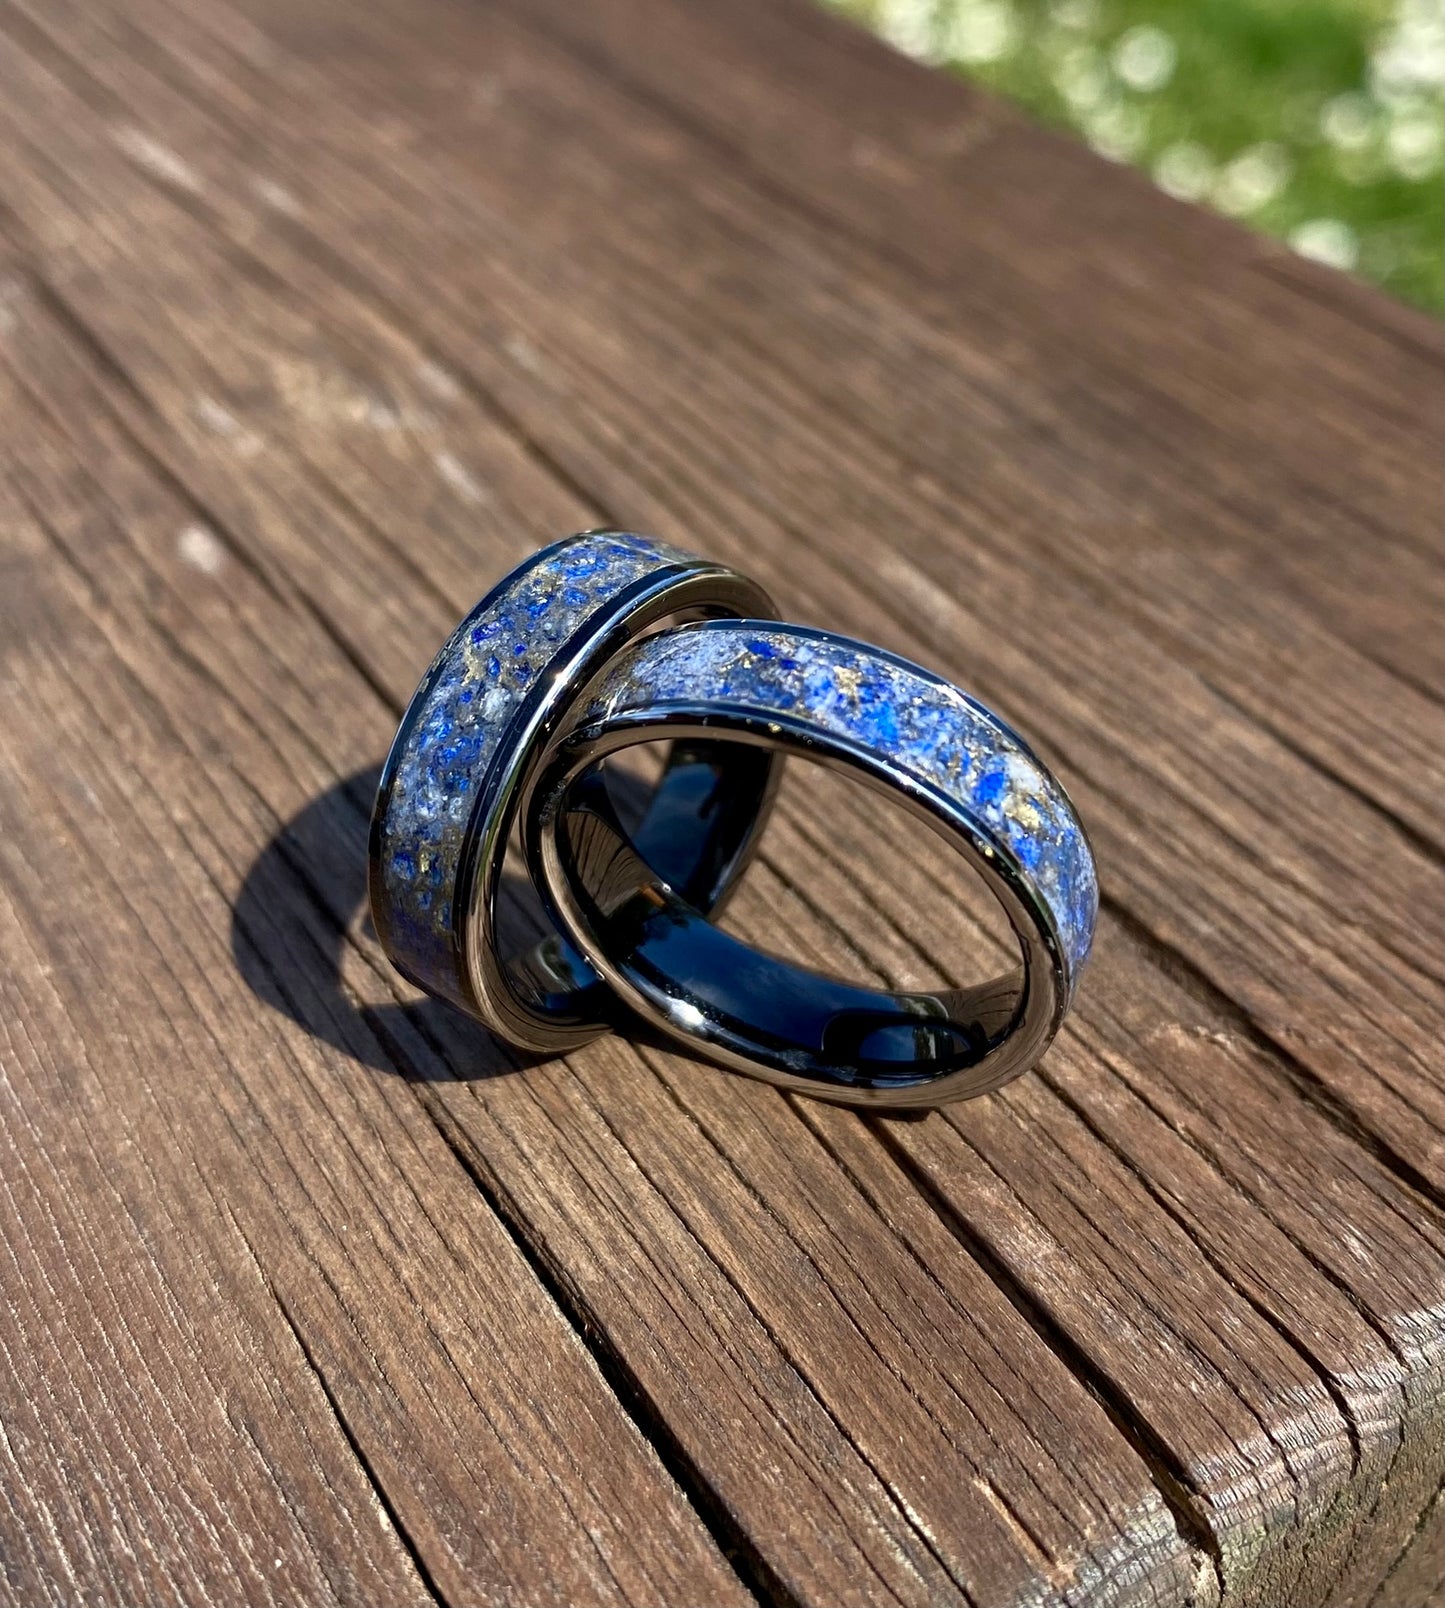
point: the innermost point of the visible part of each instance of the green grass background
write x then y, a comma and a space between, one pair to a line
1320, 121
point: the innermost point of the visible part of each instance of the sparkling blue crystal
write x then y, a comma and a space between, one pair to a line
784, 694
991, 786
1028, 847
877, 719
820, 688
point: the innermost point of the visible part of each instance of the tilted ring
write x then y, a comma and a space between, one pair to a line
501, 690
894, 725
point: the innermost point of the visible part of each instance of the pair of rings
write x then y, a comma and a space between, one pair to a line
607, 640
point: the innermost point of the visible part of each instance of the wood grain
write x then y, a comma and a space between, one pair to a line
314, 320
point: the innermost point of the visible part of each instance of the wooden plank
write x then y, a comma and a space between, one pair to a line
1143, 1349
383, 1401
868, 139
161, 1424
809, 459
823, 1511
297, 399
1418, 1575
1239, 789
1373, 1060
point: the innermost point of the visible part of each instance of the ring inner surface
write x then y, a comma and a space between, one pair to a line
696, 827
738, 998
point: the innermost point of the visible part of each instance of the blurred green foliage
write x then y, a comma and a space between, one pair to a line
1320, 121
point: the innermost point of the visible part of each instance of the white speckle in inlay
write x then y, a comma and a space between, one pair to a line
459, 477
200, 547
158, 159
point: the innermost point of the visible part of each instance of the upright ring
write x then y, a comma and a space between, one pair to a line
502, 689
897, 727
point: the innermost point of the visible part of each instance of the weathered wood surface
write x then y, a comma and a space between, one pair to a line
315, 317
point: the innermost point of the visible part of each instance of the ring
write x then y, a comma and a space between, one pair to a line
899, 728
498, 695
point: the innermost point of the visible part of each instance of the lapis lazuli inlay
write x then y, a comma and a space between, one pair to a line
924, 726
478, 684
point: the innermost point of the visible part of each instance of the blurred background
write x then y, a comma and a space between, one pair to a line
1319, 121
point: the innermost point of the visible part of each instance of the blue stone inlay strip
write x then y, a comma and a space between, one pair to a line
457, 725
927, 728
